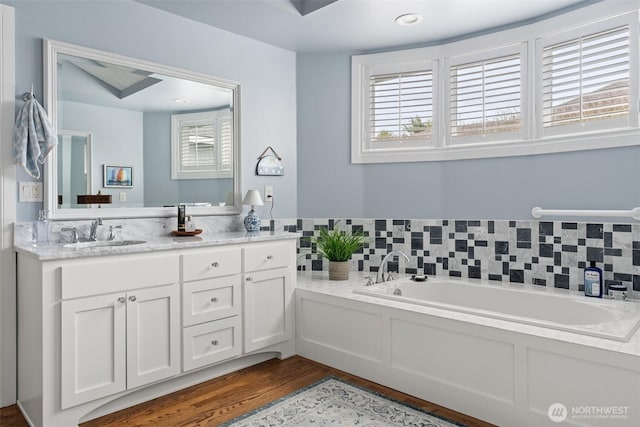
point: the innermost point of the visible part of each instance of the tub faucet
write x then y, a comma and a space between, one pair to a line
380, 274
93, 232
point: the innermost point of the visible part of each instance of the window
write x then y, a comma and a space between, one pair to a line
396, 106
401, 107
202, 145
548, 91
485, 97
586, 82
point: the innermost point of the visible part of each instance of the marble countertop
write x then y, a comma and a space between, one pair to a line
154, 243
319, 283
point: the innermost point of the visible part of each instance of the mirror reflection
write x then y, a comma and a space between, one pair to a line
74, 167
146, 138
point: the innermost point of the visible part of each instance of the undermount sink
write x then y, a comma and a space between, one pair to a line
104, 243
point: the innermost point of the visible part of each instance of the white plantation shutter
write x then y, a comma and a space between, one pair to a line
226, 143
485, 97
401, 107
586, 80
197, 146
202, 145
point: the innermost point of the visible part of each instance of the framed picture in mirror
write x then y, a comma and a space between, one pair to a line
118, 176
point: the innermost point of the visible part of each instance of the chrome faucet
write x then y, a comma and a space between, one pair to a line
93, 232
380, 274
74, 233
112, 233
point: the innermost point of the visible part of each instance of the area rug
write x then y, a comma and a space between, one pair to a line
333, 402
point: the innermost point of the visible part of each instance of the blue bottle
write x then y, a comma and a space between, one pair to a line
593, 281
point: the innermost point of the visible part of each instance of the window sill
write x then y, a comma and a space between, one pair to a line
557, 144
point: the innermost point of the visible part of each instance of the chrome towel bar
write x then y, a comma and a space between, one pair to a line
538, 212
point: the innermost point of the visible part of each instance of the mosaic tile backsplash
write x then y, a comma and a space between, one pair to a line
542, 253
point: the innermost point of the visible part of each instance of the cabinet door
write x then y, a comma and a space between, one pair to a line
153, 335
268, 308
93, 348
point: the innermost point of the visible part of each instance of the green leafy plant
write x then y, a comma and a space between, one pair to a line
337, 245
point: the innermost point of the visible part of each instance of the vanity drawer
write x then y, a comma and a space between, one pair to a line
204, 264
211, 342
118, 273
210, 299
268, 256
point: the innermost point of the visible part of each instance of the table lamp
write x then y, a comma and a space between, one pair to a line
252, 220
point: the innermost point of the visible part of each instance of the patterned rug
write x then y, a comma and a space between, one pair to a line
333, 402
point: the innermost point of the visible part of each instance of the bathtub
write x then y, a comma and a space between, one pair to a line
602, 318
505, 353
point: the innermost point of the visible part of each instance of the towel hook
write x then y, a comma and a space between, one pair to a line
28, 95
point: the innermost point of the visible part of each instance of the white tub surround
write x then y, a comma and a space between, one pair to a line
501, 371
105, 328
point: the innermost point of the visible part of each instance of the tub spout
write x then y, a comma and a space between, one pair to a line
380, 274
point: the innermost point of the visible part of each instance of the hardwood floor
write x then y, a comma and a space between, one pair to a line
224, 398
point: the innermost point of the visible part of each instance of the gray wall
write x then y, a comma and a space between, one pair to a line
499, 188
267, 74
327, 185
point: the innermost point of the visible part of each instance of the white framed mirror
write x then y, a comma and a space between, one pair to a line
123, 108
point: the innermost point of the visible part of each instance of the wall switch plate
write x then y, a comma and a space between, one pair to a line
268, 193
123, 196
30, 191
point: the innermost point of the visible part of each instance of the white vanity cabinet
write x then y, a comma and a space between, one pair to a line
104, 331
268, 293
119, 340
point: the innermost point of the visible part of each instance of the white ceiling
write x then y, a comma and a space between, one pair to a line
361, 25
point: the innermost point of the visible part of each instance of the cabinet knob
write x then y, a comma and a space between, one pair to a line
269, 257
214, 299
214, 264
132, 298
248, 279
214, 342
122, 300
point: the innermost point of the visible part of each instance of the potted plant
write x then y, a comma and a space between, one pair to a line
337, 246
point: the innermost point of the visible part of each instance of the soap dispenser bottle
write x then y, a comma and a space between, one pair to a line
40, 229
593, 281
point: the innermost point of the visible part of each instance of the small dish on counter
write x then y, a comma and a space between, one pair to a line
186, 233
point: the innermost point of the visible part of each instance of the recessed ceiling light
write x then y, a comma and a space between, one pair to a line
409, 19
181, 100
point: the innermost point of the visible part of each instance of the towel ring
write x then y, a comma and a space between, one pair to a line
28, 95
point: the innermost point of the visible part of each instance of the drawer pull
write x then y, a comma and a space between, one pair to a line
214, 299
248, 279
214, 342
132, 298
215, 264
269, 257
122, 300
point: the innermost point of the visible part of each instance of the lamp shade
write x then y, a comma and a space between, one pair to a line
252, 198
